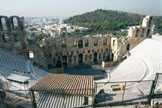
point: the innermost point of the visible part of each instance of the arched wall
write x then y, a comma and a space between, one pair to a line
72, 52
16, 36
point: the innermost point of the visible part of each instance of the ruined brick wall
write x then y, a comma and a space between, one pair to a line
68, 51
120, 47
12, 33
73, 51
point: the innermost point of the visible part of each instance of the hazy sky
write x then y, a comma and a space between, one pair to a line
66, 8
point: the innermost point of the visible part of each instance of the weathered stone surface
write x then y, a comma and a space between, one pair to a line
71, 51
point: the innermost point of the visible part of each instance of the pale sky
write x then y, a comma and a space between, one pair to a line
66, 8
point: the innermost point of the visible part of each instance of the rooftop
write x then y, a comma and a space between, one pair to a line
18, 78
66, 84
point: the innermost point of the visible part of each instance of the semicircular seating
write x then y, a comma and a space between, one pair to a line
10, 61
145, 61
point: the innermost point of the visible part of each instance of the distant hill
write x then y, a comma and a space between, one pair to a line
108, 21
158, 24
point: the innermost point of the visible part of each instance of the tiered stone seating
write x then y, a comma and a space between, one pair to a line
145, 61
130, 69
38, 73
10, 61
150, 51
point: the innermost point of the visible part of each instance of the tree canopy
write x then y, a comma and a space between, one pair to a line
108, 21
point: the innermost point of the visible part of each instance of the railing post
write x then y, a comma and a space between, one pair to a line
153, 88
33, 99
123, 91
94, 91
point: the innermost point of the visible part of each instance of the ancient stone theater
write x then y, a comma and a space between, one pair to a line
68, 51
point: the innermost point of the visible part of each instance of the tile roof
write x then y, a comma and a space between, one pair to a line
50, 100
66, 84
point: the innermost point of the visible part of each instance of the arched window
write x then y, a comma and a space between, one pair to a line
90, 57
95, 57
63, 44
103, 55
80, 58
15, 24
88, 51
105, 41
95, 42
74, 44
113, 42
86, 43
75, 58
99, 55
4, 24
80, 44
85, 57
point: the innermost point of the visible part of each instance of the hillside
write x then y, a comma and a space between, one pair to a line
108, 21
158, 24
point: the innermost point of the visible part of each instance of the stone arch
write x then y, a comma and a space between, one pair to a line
3, 24
113, 42
70, 59
95, 42
75, 58
6, 20
86, 43
64, 61
95, 57
99, 56
112, 57
103, 55
15, 22
90, 57
58, 62
63, 44
74, 44
108, 58
80, 58
86, 57
128, 47
80, 44
104, 41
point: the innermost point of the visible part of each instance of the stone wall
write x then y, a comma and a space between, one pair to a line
12, 33
71, 51
120, 46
